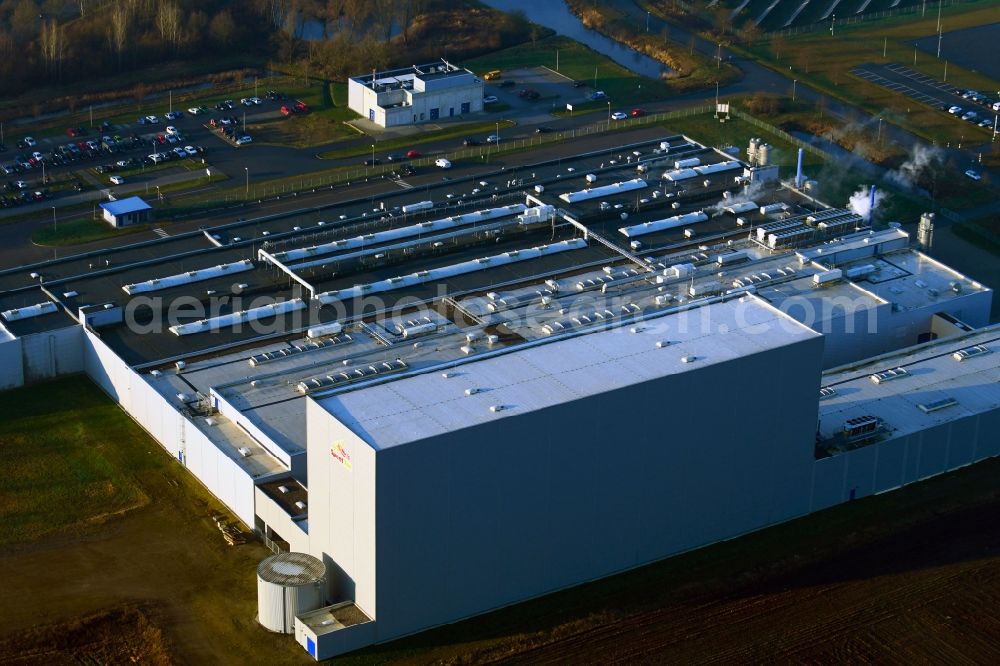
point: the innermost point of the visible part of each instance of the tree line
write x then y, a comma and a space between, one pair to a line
54, 42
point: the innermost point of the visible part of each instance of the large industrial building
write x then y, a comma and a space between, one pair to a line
506, 385
417, 94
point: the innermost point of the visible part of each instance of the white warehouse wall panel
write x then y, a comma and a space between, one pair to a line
497, 513
342, 507
900, 461
11, 368
52, 353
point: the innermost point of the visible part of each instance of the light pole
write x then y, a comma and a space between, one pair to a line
833, 25
718, 56
647, 21
246, 170
878, 138
794, 82
609, 115
373, 154
55, 224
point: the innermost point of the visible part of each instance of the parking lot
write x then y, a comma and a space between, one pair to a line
553, 90
927, 90
119, 156
972, 48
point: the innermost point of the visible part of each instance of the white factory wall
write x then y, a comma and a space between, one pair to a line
498, 513
11, 369
342, 508
904, 460
278, 520
237, 417
851, 335
182, 439
52, 353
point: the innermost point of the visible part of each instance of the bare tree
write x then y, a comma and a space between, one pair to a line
119, 29
168, 23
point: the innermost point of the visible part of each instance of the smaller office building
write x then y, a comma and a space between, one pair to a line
126, 212
415, 94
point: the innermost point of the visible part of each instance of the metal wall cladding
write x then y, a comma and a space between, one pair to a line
277, 605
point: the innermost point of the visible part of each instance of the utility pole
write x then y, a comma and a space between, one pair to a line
939, 43
939, 16
946, 71
557, 60
595, 77
719, 56
171, 98
647, 21
885, 45
794, 81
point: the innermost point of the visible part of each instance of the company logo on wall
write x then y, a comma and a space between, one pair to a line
340, 454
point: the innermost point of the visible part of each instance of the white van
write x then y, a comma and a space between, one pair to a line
443, 163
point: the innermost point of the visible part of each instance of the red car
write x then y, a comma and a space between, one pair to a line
285, 111
637, 113
413, 154
301, 107
161, 138
82, 145
74, 131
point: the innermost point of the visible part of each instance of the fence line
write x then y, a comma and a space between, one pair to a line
860, 18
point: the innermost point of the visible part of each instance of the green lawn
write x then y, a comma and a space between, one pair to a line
69, 457
576, 61
76, 232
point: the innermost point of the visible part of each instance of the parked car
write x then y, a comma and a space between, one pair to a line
74, 131
597, 94
490, 99
373, 162
971, 115
973, 174
152, 120
542, 129
985, 122
493, 138
413, 154
180, 152
244, 140
619, 115
30, 142
285, 111
637, 113
300, 107
955, 110
469, 141
117, 180
191, 151
442, 163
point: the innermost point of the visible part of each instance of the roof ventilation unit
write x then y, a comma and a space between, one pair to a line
888, 375
970, 352
244, 451
861, 426
934, 406
827, 392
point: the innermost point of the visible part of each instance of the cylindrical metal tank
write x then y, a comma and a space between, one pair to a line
288, 584
763, 154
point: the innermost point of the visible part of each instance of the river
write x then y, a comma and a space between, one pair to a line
554, 14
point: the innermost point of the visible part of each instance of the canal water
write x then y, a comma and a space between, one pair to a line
554, 14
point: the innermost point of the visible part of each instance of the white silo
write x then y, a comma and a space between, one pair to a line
752, 151
288, 584
763, 154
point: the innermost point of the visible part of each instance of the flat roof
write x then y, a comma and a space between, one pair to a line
933, 376
426, 405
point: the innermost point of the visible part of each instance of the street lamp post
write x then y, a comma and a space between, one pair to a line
246, 170
878, 138
833, 25
609, 115
55, 223
647, 21
794, 82
373, 154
